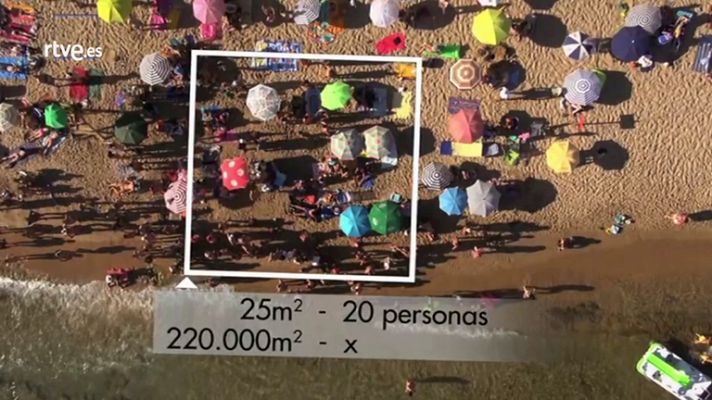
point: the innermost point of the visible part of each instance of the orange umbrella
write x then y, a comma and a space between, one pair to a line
466, 126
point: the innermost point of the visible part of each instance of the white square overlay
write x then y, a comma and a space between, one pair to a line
188, 271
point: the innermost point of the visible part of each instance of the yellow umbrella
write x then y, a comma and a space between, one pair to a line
562, 157
491, 26
114, 10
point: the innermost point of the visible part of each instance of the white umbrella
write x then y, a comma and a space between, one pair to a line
583, 87
263, 102
646, 16
483, 198
384, 13
155, 69
306, 12
175, 196
9, 117
578, 46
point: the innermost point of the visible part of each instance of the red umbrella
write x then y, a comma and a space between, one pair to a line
466, 125
235, 173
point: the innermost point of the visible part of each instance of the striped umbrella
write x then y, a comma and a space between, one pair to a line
583, 87
307, 11
175, 196
384, 13
263, 102
436, 176
646, 16
483, 198
379, 142
347, 144
465, 74
9, 117
578, 46
155, 69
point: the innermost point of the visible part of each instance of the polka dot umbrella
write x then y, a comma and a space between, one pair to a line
347, 144
465, 74
235, 173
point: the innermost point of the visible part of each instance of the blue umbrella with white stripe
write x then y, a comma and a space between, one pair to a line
583, 87
578, 46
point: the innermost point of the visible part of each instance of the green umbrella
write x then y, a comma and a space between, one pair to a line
131, 128
336, 96
385, 217
56, 116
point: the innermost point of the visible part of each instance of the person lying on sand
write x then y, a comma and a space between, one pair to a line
527, 293
14, 157
705, 358
702, 339
124, 187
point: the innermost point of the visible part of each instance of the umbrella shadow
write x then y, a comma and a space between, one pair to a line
12, 91
699, 216
186, 19
405, 140
617, 89
357, 16
299, 167
427, 15
429, 210
549, 30
481, 172
541, 4
608, 155
534, 195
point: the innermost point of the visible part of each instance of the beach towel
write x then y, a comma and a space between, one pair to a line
390, 44
16, 5
79, 90
211, 32
95, 81
15, 60
14, 38
277, 64
312, 99
404, 108
13, 75
455, 104
329, 25
450, 148
704, 53
405, 70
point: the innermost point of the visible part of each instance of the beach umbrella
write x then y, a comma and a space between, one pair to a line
483, 198
209, 11
131, 128
336, 96
491, 26
384, 13
175, 195
465, 74
630, 43
453, 201
646, 16
379, 142
55, 116
114, 10
385, 217
578, 46
9, 116
562, 157
155, 69
347, 144
466, 125
307, 11
263, 102
354, 221
436, 176
235, 173
583, 87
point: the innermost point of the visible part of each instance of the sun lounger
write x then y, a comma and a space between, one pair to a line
704, 53
455, 104
14, 38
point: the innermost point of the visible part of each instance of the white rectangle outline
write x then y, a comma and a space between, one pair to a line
289, 275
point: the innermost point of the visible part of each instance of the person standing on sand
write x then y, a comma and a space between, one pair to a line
410, 387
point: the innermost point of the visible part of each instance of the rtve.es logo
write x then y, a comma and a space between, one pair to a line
74, 52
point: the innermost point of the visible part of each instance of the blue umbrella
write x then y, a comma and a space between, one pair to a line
354, 221
453, 201
630, 43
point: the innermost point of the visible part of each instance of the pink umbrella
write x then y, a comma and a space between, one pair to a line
209, 11
466, 126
